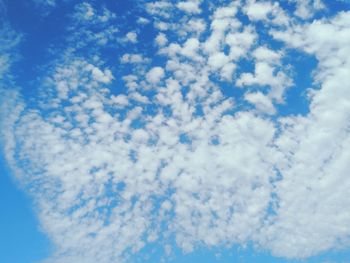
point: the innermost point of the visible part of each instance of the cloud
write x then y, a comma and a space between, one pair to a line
266, 11
261, 102
191, 7
168, 157
306, 9
133, 58
315, 147
155, 75
132, 37
161, 39
8, 45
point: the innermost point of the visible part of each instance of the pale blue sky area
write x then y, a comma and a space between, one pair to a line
21, 239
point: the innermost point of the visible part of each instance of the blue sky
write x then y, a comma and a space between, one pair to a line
21, 239
174, 131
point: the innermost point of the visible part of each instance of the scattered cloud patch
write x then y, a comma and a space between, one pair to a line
127, 146
155, 75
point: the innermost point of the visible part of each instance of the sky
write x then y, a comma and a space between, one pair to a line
174, 131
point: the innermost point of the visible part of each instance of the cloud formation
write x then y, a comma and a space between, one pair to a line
156, 150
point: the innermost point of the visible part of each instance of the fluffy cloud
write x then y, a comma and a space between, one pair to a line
266, 11
261, 102
315, 150
190, 7
161, 40
132, 37
306, 9
155, 75
171, 158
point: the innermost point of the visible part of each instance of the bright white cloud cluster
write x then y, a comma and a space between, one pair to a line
172, 158
306, 9
191, 7
316, 149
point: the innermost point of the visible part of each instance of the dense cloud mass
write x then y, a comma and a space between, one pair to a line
181, 139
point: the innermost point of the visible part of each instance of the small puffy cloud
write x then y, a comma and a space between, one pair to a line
261, 102
258, 10
162, 26
227, 71
99, 75
160, 8
263, 53
84, 11
218, 60
190, 48
266, 11
307, 8
267, 72
226, 12
120, 100
155, 75
190, 6
143, 21
133, 58
131, 37
264, 75
240, 42
161, 39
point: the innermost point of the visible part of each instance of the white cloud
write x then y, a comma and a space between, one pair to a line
160, 8
133, 58
264, 54
218, 60
155, 75
8, 46
161, 40
84, 11
240, 42
108, 168
91, 25
315, 150
267, 72
264, 76
189, 6
190, 48
227, 71
261, 102
132, 37
143, 21
258, 10
266, 11
306, 9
